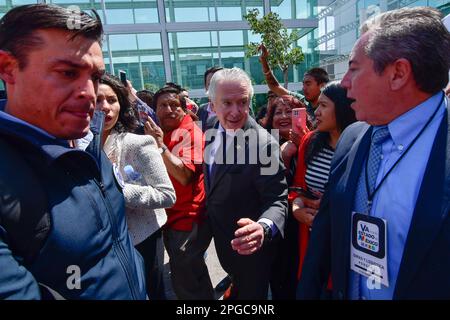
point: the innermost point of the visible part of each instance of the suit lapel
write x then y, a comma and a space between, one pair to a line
430, 211
343, 199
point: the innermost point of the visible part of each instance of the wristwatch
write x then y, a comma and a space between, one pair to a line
162, 149
267, 233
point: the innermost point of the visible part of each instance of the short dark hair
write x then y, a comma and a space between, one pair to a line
174, 85
211, 70
166, 90
128, 116
18, 24
146, 96
319, 74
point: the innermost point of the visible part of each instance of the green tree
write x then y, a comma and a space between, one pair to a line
276, 39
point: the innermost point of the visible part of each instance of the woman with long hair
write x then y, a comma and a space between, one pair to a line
316, 150
140, 169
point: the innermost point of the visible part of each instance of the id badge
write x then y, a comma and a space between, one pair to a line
368, 252
118, 176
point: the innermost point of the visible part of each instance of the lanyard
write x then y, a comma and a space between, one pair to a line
370, 196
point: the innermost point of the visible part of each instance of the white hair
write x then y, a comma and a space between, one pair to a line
234, 74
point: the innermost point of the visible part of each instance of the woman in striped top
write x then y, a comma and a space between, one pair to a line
316, 150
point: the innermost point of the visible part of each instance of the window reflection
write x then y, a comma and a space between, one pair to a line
219, 10
131, 12
140, 56
298, 9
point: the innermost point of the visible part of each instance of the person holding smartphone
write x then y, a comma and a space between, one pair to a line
139, 169
316, 150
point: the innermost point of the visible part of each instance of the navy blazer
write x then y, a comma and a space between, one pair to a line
425, 268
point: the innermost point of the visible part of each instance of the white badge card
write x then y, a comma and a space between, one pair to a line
118, 176
368, 250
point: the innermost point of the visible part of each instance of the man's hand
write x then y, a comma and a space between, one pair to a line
152, 129
249, 237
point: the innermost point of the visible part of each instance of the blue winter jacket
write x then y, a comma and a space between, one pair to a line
88, 235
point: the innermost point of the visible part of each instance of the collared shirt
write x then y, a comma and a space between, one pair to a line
213, 152
187, 143
396, 199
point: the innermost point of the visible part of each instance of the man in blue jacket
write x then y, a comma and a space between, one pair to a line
62, 223
383, 227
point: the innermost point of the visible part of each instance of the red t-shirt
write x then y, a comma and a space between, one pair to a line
187, 143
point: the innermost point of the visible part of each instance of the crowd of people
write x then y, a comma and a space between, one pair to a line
97, 180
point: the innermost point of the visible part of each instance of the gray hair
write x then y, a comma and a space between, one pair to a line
416, 34
233, 74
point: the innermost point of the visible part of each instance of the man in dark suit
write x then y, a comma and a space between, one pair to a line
205, 113
245, 185
389, 189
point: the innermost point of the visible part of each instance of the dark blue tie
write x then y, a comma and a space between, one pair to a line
218, 155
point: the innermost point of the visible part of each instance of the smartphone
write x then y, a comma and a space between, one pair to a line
306, 193
299, 120
123, 77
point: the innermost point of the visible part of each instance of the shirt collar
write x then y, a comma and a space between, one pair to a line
406, 127
230, 133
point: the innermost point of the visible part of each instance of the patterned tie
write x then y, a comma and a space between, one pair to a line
373, 165
361, 205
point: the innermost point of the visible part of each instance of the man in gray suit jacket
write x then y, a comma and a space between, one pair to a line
245, 185
383, 228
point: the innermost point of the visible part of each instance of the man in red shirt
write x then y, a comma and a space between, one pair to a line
181, 144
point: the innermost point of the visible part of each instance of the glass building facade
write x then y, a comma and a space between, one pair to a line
156, 41
339, 23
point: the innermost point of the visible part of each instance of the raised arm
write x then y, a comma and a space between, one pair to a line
272, 82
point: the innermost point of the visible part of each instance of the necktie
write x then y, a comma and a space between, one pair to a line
219, 156
361, 204
373, 165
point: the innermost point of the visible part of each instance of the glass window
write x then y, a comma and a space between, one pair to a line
140, 56
131, 11
195, 11
191, 53
294, 9
5, 6
189, 11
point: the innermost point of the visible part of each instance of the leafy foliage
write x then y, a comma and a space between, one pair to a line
277, 40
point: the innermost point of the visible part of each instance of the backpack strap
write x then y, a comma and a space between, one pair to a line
24, 210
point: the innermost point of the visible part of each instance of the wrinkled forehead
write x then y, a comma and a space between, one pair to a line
232, 88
